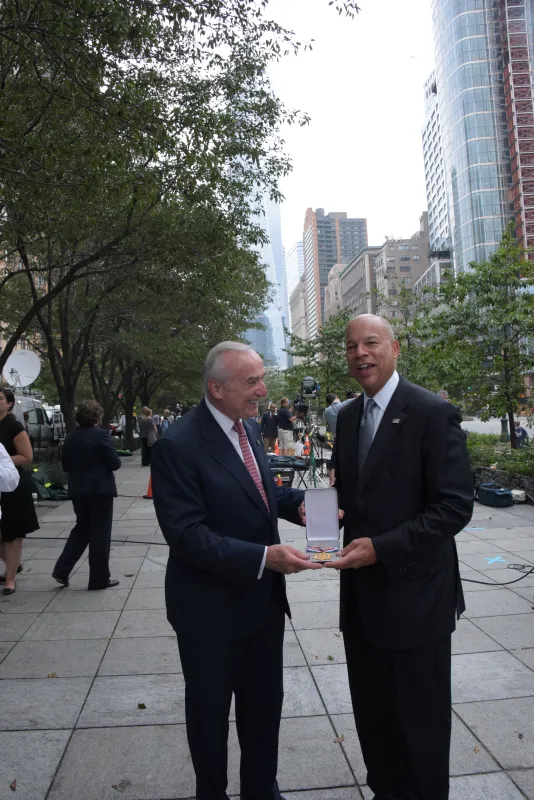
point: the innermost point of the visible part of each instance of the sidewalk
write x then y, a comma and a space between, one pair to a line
76, 665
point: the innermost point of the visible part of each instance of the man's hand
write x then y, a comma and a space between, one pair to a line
287, 559
359, 553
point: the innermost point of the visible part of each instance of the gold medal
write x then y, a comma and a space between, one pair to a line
322, 557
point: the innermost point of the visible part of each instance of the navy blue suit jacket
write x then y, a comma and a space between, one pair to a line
90, 458
269, 425
217, 526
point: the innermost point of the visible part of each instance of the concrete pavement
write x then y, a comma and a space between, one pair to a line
77, 667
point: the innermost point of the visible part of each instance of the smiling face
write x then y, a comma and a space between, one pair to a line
371, 352
237, 393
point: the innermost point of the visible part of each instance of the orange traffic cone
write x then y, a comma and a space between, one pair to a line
148, 495
279, 480
276, 448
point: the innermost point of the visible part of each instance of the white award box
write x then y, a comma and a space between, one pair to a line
322, 523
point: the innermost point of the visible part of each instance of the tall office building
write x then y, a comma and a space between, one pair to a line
436, 195
358, 283
329, 239
294, 266
476, 154
270, 341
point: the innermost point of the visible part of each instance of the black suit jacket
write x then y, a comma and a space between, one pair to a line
269, 425
415, 493
217, 526
90, 458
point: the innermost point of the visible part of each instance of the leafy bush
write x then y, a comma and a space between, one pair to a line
485, 450
482, 438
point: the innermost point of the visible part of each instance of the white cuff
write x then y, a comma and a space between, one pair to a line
264, 559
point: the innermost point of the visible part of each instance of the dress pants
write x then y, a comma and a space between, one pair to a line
269, 442
145, 452
402, 708
251, 669
94, 520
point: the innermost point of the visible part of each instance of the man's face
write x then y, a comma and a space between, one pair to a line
371, 353
238, 394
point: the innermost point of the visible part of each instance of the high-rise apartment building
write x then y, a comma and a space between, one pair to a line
332, 293
436, 195
476, 154
400, 262
329, 239
298, 313
358, 283
294, 266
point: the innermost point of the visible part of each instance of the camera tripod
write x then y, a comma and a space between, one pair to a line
314, 474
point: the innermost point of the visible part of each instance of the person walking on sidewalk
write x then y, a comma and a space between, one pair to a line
269, 428
148, 434
90, 459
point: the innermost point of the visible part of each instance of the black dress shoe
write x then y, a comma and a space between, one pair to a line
7, 592
63, 581
109, 585
19, 570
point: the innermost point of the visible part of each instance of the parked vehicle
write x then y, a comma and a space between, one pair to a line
45, 425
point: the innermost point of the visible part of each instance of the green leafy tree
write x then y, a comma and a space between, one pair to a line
484, 328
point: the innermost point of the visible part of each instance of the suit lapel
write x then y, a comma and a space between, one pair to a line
390, 425
220, 448
353, 436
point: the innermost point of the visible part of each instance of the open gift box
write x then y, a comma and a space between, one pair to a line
322, 524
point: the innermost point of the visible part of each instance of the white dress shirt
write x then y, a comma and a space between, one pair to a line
227, 425
9, 474
382, 399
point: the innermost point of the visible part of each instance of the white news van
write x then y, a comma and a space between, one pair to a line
46, 426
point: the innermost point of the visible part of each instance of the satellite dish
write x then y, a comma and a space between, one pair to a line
22, 368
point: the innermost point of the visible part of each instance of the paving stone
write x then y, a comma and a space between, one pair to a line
118, 565
50, 550
495, 786
517, 545
498, 723
301, 698
26, 602
473, 581
82, 600
527, 592
31, 758
322, 646
154, 760
495, 603
351, 793
41, 704
313, 575
293, 655
467, 638
129, 550
143, 623
489, 676
73, 625
114, 700
507, 575
345, 726
150, 580
495, 534
155, 563
526, 656
42, 567
148, 599
80, 581
14, 626
525, 781
144, 656
31, 582
512, 631
5, 648
68, 659
481, 561
478, 546
313, 591
315, 615
333, 686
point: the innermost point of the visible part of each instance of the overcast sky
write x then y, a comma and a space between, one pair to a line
362, 85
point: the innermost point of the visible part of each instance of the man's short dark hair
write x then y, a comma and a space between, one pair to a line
330, 397
350, 394
88, 413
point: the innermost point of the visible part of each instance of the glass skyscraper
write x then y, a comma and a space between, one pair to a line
476, 152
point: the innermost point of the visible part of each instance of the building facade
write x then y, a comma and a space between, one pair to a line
328, 239
436, 195
332, 293
269, 339
476, 153
294, 266
439, 271
400, 262
358, 283
298, 313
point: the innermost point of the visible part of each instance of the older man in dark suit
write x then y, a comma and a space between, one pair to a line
269, 428
404, 481
218, 508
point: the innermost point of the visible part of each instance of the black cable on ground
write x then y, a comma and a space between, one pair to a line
518, 567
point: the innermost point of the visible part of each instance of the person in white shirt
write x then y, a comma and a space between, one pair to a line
9, 474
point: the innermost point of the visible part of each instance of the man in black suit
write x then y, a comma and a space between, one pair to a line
404, 482
90, 459
269, 428
218, 508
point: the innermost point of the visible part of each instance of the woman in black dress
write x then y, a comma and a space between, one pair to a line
18, 512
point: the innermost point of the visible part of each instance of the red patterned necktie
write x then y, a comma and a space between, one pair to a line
248, 458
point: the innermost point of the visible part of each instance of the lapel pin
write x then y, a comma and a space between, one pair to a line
395, 420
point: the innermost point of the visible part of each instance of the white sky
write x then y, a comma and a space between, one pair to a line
362, 85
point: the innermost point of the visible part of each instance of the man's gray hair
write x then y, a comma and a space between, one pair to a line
213, 368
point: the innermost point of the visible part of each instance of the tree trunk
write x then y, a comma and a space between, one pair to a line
513, 437
68, 407
129, 403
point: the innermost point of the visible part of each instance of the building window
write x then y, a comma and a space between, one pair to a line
404, 258
405, 268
